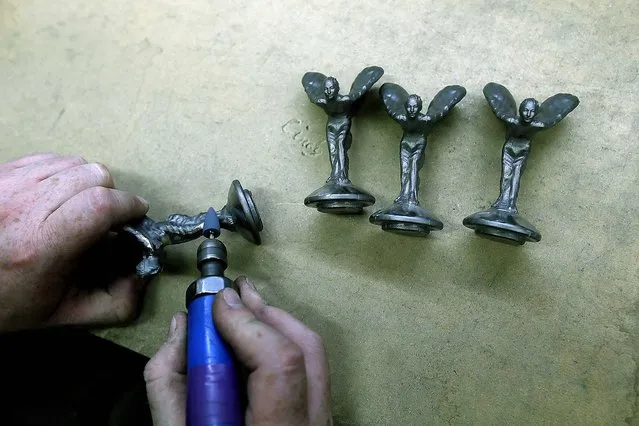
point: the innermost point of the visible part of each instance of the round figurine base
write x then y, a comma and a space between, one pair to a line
337, 198
248, 223
406, 219
503, 226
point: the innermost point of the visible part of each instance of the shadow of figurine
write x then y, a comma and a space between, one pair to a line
502, 222
339, 195
406, 216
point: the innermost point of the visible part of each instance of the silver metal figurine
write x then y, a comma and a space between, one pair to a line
238, 215
502, 221
339, 195
406, 216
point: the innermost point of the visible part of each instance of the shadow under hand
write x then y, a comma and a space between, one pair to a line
113, 258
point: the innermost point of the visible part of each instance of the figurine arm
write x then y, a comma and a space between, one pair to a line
400, 118
322, 103
511, 121
538, 124
344, 103
426, 123
398, 115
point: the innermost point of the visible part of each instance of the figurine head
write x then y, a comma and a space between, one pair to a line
528, 109
331, 87
413, 105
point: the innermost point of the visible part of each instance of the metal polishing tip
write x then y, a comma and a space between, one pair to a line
211, 227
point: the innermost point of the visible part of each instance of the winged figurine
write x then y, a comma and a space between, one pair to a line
502, 221
339, 195
151, 237
406, 216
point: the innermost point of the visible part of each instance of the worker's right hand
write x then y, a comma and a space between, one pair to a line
288, 381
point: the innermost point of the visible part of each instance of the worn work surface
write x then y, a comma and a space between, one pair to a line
181, 97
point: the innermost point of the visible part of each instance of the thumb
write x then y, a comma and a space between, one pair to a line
165, 376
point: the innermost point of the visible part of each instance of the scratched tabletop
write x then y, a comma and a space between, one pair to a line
179, 98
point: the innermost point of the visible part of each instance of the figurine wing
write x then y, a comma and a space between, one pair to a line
313, 83
502, 103
554, 109
444, 102
364, 81
394, 97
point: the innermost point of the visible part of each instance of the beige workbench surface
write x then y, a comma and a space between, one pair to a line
181, 97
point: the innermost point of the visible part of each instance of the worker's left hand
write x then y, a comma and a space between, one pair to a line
55, 214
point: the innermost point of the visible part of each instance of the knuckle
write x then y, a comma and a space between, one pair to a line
159, 377
125, 312
101, 172
125, 317
76, 159
43, 154
21, 256
264, 311
149, 371
315, 342
100, 199
5, 213
152, 370
290, 359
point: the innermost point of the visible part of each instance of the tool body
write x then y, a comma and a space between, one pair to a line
213, 393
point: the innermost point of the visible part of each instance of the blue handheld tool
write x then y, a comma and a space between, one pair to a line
213, 394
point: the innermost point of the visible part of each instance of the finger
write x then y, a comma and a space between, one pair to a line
277, 384
171, 358
118, 304
41, 170
311, 344
88, 217
26, 160
60, 187
165, 377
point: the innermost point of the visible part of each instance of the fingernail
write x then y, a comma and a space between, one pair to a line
143, 201
248, 282
231, 298
173, 327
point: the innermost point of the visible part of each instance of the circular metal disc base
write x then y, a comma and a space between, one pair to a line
336, 198
249, 224
406, 219
503, 226
403, 228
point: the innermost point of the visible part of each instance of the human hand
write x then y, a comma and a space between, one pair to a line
288, 382
53, 211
